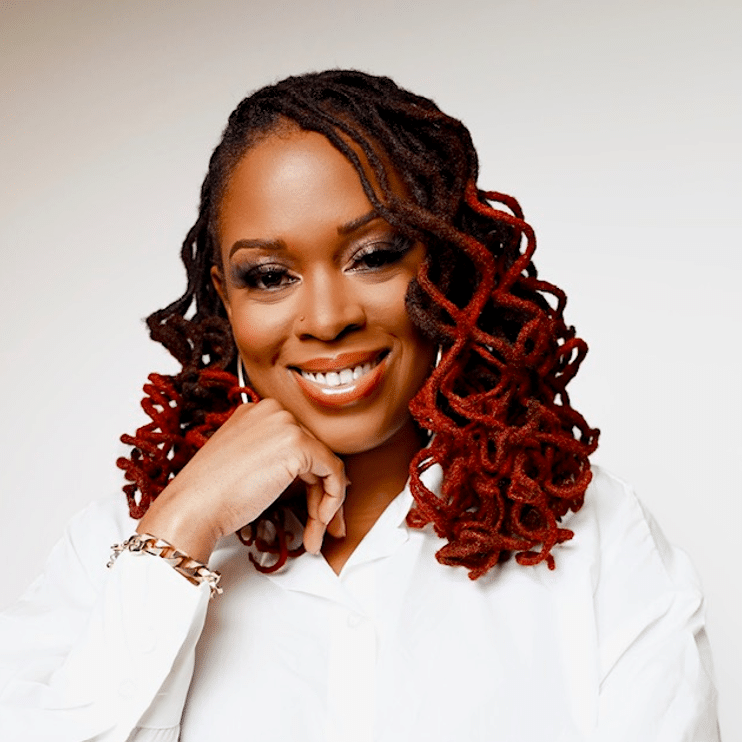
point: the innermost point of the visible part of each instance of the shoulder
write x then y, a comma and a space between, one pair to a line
626, 533
609, 498
638, 578
73, 575
85, 546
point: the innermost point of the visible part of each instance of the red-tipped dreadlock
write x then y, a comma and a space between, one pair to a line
514, 453
514, 467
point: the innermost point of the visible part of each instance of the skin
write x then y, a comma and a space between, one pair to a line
311, 280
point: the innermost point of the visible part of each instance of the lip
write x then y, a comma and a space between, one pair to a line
338, 362
346, 395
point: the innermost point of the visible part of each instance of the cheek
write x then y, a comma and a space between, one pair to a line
259, 331
389, 310
418, 352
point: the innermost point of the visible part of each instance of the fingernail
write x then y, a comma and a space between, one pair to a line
325, 513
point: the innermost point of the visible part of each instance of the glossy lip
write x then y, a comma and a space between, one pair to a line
339, 362
348, 394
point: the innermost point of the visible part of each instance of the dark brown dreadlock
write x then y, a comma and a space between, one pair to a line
514, 453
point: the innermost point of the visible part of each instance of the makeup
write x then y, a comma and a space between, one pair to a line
342, 381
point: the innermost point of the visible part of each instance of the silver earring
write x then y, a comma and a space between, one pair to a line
241, 380
438, 356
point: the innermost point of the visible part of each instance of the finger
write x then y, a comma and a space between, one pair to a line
315, 493
314, 533
324, 476
323, 466
332, 500
336, 526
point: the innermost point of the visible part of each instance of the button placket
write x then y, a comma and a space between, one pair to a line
354, 620
351, 676
352, 663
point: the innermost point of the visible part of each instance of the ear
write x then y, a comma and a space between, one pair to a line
217, 278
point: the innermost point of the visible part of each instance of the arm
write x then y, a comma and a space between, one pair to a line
91, 655
86, 650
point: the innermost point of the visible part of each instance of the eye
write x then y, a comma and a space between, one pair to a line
380, 254
265, 277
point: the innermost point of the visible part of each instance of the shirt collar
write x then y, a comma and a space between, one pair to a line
310, 573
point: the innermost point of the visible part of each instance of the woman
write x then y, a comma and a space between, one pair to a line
401, 412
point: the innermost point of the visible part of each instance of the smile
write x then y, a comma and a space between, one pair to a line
340, 378
341, 381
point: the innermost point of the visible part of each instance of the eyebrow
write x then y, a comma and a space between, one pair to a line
361, 221
343, 229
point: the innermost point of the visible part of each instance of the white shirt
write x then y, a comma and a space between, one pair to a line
610, 646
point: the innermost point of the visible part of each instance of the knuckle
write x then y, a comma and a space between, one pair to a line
267, 405
284, 417
292, 436
338, 466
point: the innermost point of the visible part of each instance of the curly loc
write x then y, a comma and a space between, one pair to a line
514, 453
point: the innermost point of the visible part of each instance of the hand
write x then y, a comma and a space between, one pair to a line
239, 472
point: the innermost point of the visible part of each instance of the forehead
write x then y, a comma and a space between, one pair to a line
293, 179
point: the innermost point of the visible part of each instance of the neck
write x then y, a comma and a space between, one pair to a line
377, 477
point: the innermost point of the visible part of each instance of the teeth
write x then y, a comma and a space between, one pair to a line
339, 378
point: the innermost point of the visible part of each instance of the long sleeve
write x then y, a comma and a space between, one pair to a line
654, 658
608, 647
87, 650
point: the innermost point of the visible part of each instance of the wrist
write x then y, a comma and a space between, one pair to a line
194, 571
171, 519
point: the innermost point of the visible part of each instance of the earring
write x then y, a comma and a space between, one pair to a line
438, 356
241, 379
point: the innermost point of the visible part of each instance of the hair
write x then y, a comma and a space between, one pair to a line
513, 451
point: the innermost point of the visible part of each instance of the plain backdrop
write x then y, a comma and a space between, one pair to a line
616, 124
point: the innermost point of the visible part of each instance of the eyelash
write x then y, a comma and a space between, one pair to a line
251, 278
388, 252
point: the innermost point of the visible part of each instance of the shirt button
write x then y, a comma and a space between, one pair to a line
354, 620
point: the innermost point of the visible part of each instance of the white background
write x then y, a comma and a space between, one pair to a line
616, 124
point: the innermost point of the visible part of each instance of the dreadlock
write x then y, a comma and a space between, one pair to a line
514, 453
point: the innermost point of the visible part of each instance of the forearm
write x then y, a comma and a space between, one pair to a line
84, 661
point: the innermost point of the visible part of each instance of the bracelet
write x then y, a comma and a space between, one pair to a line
193, 571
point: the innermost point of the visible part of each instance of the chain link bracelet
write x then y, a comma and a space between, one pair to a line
192, 570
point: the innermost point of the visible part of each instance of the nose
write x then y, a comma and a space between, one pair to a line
329, 308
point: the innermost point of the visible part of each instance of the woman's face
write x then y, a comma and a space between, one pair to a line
314, 285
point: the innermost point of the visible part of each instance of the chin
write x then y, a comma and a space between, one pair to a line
349, 437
